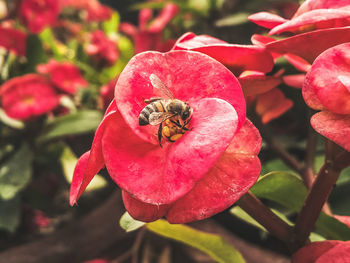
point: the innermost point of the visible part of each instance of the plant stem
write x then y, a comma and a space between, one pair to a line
318, 195
261, 213
309, 167
287, 158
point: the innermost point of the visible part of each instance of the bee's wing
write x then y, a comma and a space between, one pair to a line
156, 118
159, 87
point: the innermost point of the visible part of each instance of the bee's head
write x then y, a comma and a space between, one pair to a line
186, 113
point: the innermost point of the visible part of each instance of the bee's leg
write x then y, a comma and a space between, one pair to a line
150, 100
187, 122
160, 134
176, 123
181, 126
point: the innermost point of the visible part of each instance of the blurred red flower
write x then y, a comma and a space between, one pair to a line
107, 93
65, 75
13, 40
103, 49
204, 172
149, 36
38, 14
95, 11
330, 251
28, 96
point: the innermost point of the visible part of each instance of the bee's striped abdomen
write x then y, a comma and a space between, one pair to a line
156, 106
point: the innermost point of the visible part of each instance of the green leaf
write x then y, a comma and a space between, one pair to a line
241, 214
35, 53
111, 26
76, 123
284, 188
233, 20
274, 165
332, 228
129, 224
48, 38
15, 173
288, 190
68, 161
10, 214
212, 245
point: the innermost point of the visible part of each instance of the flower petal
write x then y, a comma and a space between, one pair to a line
295, 81
142, 211
311, 252
272, 104
92, 161
315, 19
169, 11
324, 38
237, 58
230, 177
267, 20
321, 4
333, 126
298, 62
256, 84
158, 175
190, 76
327, 77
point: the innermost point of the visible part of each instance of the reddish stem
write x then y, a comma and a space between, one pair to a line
319, 193
261, 213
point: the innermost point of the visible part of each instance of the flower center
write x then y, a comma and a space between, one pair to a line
28, 100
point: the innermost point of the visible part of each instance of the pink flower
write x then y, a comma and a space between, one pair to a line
65, 76
323, 252
149, 36
322, 4
103, 49
327, 88
326, 23
302, 44
237, 58
310, 16
38, 14
205, 171
13, 40
28, 96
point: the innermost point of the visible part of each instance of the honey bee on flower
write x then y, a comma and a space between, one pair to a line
172, 115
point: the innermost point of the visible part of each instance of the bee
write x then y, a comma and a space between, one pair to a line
172, 115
